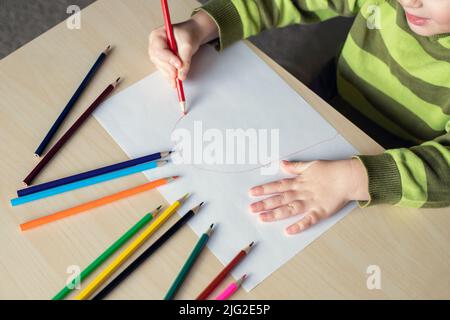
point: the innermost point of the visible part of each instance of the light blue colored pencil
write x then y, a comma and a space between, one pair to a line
86, 182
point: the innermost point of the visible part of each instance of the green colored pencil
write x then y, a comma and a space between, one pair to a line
188, 264
108, 253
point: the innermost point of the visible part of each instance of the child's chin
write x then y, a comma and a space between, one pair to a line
421, 30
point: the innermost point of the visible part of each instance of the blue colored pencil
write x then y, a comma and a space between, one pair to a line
62, 116
87, 182
91, 173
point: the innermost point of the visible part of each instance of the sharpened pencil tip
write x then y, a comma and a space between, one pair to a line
161, 163
118, 80
210, 229
155, 212
183, 198
108, 49
197, 208
183, 108
165, 154
170, 179
249, 247
241, 280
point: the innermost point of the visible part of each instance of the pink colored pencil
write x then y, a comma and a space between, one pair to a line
231, 289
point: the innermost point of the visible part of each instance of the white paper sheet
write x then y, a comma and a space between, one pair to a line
230, 90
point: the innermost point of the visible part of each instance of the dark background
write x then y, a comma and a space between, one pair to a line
302, 50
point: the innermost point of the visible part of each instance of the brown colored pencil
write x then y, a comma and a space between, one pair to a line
69, 133
221, 276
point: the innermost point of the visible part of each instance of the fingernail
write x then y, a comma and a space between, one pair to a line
257, 206
255, 191
175, 63
295, 228
266, 216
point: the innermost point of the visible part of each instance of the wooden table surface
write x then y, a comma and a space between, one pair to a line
411, 247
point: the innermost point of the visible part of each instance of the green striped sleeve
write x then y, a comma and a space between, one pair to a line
239, 19
418, 177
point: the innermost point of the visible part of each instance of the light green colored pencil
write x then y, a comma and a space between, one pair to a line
108, 252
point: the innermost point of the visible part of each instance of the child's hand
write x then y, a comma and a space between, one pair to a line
189, 35
320, 189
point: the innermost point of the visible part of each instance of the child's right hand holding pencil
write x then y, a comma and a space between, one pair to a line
189, 35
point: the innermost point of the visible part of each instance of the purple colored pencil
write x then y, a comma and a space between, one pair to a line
91, 173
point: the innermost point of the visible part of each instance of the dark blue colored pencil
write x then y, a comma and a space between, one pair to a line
48, 137
91, 173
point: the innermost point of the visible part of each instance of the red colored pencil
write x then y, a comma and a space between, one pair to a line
221, 276
69, 133
174, 48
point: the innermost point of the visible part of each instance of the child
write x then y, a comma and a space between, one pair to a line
393, 75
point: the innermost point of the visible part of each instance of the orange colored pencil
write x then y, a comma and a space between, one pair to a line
94, 204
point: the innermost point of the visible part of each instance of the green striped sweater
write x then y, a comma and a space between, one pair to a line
396, 79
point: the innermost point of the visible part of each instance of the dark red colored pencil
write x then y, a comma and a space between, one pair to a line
221, 276
69, 133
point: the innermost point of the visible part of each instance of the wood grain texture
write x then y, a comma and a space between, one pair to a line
410, 246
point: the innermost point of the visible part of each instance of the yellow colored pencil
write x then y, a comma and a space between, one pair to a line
128, 251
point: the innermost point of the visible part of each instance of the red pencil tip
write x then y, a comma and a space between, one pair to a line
183, 108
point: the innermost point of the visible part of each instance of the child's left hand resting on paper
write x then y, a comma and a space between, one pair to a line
319, 190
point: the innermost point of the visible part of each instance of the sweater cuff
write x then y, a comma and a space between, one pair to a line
227, 19
384, 180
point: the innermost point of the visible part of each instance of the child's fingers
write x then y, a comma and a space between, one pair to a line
273, 187
275, 202
294, 208
307, 221
295, 167
172, 81
166, 56
169, 70
169, 76
158, 49
185, 52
